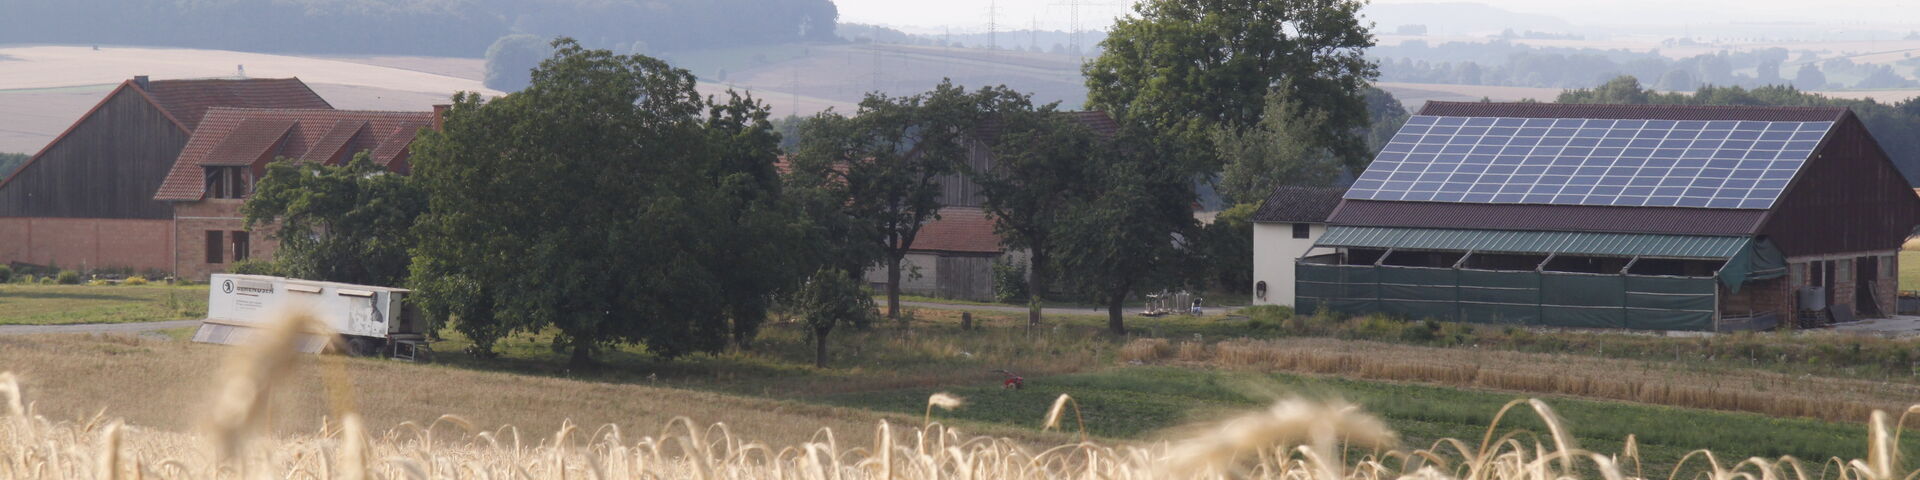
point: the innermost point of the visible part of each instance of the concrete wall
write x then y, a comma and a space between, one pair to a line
141, 245
1274, 250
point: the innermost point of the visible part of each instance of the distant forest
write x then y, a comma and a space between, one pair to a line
1505, 63
11, 161
463, 28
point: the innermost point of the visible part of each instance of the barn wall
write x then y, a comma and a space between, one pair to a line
108, 166
140, 245
956, 189
1849, 198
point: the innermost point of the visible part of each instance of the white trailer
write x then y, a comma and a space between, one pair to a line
368, 320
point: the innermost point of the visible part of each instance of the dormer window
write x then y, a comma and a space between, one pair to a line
227, 182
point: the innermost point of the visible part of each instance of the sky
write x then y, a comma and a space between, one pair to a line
931, 16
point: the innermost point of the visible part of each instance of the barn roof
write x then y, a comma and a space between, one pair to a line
188, 100
1293, 204
958, 230
239, 136
1597, 155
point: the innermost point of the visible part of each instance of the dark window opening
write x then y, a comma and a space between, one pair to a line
1423, 259
215, 246
1364, 256
1675, 268
241, 246
1573, 264
1302, 230
226, 182
1506, 262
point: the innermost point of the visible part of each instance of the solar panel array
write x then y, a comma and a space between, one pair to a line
1574, 161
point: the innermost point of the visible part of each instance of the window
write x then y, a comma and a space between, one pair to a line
215, 246
241, 246
226, 182
1302, 230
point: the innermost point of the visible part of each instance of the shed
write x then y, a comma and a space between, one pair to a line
1609, 216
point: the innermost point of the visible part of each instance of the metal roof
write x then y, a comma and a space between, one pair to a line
1574, 218
1531, 242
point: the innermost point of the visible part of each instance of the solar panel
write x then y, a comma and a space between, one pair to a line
1573, 161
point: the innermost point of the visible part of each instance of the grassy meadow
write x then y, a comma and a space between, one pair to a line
44, 304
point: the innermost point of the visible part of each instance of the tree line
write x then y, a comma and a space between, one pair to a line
1505, 63
460, 28
612, 204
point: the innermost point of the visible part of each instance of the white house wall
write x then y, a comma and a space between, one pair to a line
1274, 250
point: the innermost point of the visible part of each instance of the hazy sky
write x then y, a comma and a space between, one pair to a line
971, 15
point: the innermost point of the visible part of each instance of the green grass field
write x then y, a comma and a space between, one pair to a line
1138, 402
23, 304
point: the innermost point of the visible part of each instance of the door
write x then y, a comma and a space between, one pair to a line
1866, 272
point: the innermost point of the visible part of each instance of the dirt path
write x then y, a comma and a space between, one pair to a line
95, 327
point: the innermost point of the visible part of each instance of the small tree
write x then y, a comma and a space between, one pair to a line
829, 299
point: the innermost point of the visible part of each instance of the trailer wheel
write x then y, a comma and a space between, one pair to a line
361, 347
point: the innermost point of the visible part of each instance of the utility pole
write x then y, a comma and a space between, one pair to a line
993, 25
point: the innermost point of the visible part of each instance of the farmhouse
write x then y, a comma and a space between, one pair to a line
952, 257
1285, 228
230, 151
86, 199
1642, 217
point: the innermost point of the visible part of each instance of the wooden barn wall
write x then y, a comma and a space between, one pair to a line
108, 167
1848, 199
966, 277
956, 190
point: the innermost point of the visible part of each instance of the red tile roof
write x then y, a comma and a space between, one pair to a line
188, 100
959, 230
305, 134
333, 145
248, 142
1636, 112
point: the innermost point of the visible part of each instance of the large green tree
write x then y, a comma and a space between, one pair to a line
511, 59
1284, 148
603, 201
879, 173
341, 223
1041, 159
1180, 68
1130, 229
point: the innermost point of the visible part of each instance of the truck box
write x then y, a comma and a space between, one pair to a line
368, 320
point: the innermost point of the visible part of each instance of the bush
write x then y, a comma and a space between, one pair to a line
68, 277
1010, 282
6, 274
27, 278
99, 283
255, 267
134, 280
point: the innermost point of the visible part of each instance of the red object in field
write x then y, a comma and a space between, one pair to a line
1013, 381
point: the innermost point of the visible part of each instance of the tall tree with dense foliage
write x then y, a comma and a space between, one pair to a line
340, 223
1181, 68
1041, 157
882, 167
1130, 230
1284, 148
602, 202
10, 162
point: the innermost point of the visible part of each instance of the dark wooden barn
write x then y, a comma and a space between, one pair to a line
86, 200
1642, 217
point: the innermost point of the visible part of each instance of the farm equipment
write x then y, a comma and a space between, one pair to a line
362, 320
1012, 381
1171, 303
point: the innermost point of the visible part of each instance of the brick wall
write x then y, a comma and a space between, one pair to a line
1888, 284
141, 245
1843, 282
194, 219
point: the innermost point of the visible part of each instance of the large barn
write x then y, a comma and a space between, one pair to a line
1642, 217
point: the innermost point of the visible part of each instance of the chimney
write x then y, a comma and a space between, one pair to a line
141, 81
439, 116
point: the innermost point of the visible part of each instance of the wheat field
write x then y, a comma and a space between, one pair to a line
1292, 439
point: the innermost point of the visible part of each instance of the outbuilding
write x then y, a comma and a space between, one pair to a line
1285, 228
1701, 218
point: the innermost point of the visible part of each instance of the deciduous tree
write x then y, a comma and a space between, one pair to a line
1041, 161
603, 201
831, 298
340, 223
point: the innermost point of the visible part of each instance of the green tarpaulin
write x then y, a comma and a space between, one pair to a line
1553, 299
